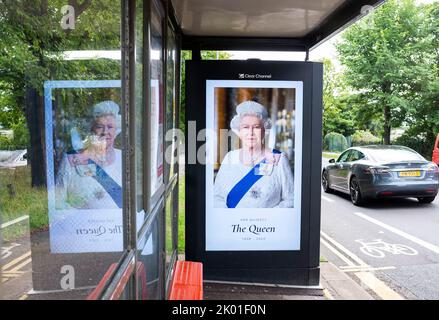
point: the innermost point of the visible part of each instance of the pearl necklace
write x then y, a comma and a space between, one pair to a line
253, 157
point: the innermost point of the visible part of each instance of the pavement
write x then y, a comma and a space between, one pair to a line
334, 285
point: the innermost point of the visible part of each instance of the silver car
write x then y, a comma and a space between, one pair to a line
382, 172
13, 159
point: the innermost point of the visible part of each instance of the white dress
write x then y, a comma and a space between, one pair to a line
77, 188
270, 191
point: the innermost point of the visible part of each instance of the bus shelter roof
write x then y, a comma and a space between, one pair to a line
285, 25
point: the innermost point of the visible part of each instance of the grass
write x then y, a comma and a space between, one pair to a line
18, 198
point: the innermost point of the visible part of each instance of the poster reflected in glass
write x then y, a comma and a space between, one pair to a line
156, 101
84, 166
253, 170
156, 138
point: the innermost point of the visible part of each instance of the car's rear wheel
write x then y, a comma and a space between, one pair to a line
426, 199
325, 182
355, 192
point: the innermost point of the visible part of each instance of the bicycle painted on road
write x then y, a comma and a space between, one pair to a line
377, 248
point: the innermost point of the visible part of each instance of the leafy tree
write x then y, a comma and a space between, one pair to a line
337, 115
391, 65
423, 114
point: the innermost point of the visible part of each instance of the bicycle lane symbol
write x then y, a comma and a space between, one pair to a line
378, 248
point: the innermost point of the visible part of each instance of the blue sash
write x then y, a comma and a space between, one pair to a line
111, 186
243, 186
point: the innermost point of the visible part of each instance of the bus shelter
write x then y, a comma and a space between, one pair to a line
106, 144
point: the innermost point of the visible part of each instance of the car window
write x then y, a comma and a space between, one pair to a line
395, 155
344, 156
355, 155
352, 156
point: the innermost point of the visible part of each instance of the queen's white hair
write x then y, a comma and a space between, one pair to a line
106, 108
251, 108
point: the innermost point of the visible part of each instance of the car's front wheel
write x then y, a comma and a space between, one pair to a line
355, 192
426, 199
325, 182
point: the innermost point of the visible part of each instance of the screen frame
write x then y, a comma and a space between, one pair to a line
284, 267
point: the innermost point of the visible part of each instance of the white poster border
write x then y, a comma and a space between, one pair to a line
286, 239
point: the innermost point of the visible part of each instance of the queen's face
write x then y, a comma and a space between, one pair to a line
251, 131
105, 127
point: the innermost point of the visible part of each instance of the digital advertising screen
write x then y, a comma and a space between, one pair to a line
253, 165
253, 152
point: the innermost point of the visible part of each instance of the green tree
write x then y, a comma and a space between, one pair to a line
337, 115
390, 61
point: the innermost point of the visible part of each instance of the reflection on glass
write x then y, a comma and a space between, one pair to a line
85, 172
148, 277
89, 174
60, 202
171, 147
169, 230
140, 119
156, 101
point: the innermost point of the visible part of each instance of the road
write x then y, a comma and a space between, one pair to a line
391, 247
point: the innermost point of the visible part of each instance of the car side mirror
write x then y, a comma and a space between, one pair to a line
331, 160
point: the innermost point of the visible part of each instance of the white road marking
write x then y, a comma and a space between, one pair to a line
358, 269
339, 254
16, 260
327, 199
346, 251
21, 265
379, 287
10, 223
377, 248
365, 271
403, 234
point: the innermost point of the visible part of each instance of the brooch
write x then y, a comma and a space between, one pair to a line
255, 193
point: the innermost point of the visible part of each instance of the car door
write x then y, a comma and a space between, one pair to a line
345, 171
338, 171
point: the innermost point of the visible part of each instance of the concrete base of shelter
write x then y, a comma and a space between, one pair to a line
246, 291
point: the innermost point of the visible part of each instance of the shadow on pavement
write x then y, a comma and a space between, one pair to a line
384, 204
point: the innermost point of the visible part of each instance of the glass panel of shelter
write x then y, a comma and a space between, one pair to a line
62, 213
72, 236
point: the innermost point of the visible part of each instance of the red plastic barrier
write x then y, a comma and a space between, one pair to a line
98, 290
187, 283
